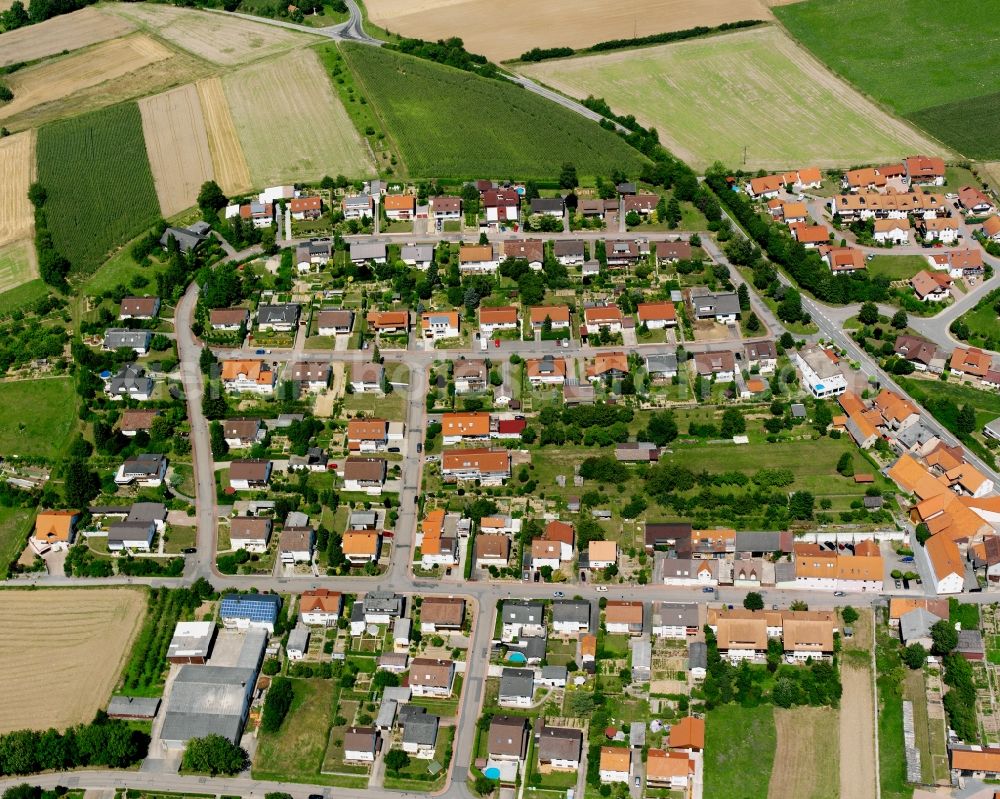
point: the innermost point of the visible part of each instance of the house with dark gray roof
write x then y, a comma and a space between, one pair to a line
548, 206
698, 659
131, 382
282, 317
560, 748
724, 307
522, 618
188, 239
570, 616
517, 687
418, 255
362, 251
674, 619
117, 339
759, 544
420, 732
662, 367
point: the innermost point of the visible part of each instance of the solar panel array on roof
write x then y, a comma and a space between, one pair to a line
260, 607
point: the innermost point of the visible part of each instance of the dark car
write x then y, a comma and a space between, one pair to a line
189, 550
420, 447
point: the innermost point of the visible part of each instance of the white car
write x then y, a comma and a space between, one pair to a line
602, 589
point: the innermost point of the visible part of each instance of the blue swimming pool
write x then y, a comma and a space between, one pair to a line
492, 773
517, 657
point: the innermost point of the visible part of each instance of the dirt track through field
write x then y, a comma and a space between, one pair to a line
292, 95
229, 163
17, 170
747, 98
63, 652
858, 771
177, 146
215, 37
805, 759
63, 77
505, 30
68, 32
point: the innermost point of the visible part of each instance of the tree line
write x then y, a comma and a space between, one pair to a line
104, 742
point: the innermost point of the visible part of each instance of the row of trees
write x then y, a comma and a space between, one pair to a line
103, 742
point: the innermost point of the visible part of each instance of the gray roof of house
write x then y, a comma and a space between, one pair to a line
363, 250
115, 338
187, 239
421, 730
517, 611
642, 653
365, 517
206, 700
697, 655
358, 611
284, 313
417, 252
637, 733
533, 647
130, 531
709, 304
784, 572
386, 713
677, 614
570, 610
148, 463
541, 205
916, 623
554, 672
517, 682
137, 706
298, 638
147, 512
916, 435
798, 410
383, 602
970, 641
661, 363
873, 502
559, 743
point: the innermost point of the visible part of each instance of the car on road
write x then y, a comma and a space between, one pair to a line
907, 559
839, 593
638, 782
558, 594
260, 352
602, 589
420, 446
496, 343
189, 550
707, 590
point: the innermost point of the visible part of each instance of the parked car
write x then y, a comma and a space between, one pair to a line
707, 590
839, 593
420, 446
558, 594
602, 589
259, 352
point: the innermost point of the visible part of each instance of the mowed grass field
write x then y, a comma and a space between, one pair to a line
67, 32
935, 63
505, 30
14, 526
753, 93
219, 38
17, 168
739, 751
63, 652
100, 187
17, 264
290, 123
449, 123
177, 146
297, 749
806, 759
37, 416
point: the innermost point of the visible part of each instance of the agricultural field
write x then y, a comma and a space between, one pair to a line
747, 98
858, 771
739, 751
17, 265
958, 106
60, 34
177, 146
17, 168
25, 295
53, 80
294, 96
505, 31
228, 161
806, 762
426, 108
218, 38
79, 649
37, 416
100, 187
991, 172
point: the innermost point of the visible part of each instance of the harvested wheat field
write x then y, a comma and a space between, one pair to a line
229, 164
219, 38
992, 173
54, 80
805, 760
68, 32
754, 93
63, 652
506, 30
18, 265
17, 170
177, 146
292, 95
858, 772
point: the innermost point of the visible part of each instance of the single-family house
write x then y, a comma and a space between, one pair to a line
281, 317
892, 231
492, 550
502, 206
623, 616
142, 308
334, 322
357, 206
657, 315
367, 378
361, 546
615, 764
130, 382
596, 317
364, 474
117, 339
146, 470
320, 607
228, 320
248, 376
557, 316
490, 466
251, 533
569, 252
931, 286
517, 687
559, 748
530, 250
249, 475
720, 364
431, 677
374, 252
492, 319
470, 375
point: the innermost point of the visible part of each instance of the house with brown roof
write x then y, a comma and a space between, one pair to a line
502, 206
137, 421
508, 738
898, 413
469, 375
367, 378
367, 435
477, 259
970, 362
546, 371
334, 322
836, 571
669, 252
569, 252
444, 209
625, 252
228, 320
139, 308
922, 170
558, 316
251, 533
974, 202
623, 617
766, 187
390, 322
313, 376
608, 364
441, 613
492, 550
657, 315
249, 475
673, 770
918, 351
721, 364
320, 607
431, 677
399, 207
843, 260
364, 474
295, 545
241, 433
559, 748
615, 764
361, 744
306, 207
967, 262
497, 318
642, 204
361, 546
531, 250
54, 529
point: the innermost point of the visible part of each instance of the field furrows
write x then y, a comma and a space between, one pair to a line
17, 169
229, 163
68, 32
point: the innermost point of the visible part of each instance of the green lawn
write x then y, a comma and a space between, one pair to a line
858, 38
434, 114
100, 187
179, 538
295, 753
983, 322
416, 776
743, 98
14, 525
15, 265
739, 751
23, 297
37, 416
986, 403
391, 406
896, 267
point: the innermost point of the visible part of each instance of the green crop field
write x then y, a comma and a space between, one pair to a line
100, 187
16, 266
934, 63
37, 416
452, 124
752, 98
